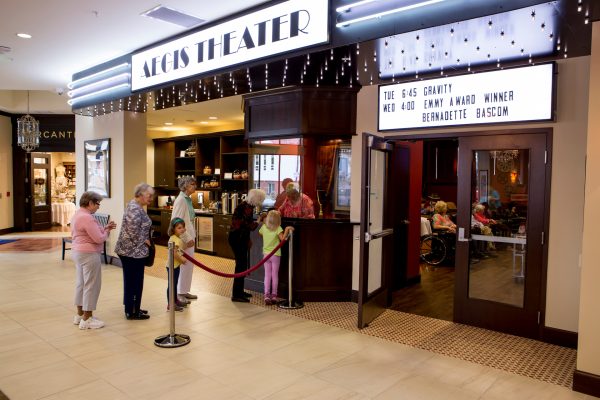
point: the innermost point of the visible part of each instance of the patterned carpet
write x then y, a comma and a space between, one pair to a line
542, 361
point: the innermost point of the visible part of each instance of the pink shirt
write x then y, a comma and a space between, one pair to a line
86, 232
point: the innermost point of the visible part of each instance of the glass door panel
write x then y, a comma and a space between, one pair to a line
497, 260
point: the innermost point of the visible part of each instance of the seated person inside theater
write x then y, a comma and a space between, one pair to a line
482, 224
441, 220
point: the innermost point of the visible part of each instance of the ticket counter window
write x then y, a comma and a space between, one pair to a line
319, 168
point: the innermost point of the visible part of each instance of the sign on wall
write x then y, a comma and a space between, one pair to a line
519, 94
284, 27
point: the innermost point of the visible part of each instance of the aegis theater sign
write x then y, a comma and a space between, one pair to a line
284, 27
510, 95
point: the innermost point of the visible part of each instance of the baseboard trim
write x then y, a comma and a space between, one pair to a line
6, 231
584, 382
559, 337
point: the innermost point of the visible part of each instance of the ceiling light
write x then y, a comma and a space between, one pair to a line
213, 118
168, 123
28, 131
387, 12
24, 35
204, 122
173, 16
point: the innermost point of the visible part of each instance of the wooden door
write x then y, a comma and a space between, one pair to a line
41, 211
376, 230
500, 264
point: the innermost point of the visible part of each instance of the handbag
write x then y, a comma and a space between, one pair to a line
151, 252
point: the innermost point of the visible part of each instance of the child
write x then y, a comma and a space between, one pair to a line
176, 232
272, 234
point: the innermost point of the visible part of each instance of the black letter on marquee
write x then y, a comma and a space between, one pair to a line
185, 58
295, 23
146, 70
200, 46
226, 43
262, 28
247, 40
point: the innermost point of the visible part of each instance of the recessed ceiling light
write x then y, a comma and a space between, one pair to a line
24, 35
168, 123
213, 118
204, 122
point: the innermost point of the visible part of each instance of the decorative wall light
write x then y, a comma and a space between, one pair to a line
28, 131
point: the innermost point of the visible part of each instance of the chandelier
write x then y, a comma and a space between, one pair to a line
28, 131
504, 155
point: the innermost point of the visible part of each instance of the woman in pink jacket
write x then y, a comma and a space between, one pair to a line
88, 237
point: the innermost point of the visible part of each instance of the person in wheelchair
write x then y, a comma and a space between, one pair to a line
441, 220
441, 244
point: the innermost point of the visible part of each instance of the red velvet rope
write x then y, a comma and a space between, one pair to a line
239, 274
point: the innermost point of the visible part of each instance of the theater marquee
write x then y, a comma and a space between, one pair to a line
284, 27
511, 95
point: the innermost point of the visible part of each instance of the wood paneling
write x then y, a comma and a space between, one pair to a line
301, 112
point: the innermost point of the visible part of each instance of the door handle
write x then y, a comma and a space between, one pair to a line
370, 236
461, 235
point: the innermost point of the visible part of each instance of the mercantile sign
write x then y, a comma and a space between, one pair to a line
284, 27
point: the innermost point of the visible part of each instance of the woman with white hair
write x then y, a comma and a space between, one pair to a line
183, 208
133, 248
242, 223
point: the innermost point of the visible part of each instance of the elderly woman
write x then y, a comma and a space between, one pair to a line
242, 223
296, 204
184, 209
133, 249
441, 220
88, 237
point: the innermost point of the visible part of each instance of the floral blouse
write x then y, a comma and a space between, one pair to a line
135, 230
303, 208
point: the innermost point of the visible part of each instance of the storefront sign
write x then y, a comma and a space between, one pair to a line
284, 27
519, 94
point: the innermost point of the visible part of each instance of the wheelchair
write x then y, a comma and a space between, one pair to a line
438, 247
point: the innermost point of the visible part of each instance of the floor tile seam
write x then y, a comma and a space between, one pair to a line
396, 341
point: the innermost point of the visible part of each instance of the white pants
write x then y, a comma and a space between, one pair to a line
185, 274
88, 279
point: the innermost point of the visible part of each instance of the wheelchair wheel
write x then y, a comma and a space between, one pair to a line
433, 250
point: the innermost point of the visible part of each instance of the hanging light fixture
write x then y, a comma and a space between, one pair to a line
28, 131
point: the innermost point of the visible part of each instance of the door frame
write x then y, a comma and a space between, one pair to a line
37, 211
525, 320
548, 131
370, 305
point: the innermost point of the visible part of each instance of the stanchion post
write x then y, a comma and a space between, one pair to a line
172, 339
290, 303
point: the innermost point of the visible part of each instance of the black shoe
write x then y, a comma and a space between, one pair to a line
143, 311
240, 299
247, 295
137, 316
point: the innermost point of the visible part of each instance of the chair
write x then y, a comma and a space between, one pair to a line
102, 220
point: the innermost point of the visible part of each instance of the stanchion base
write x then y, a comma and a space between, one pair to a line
175, 340
295, 304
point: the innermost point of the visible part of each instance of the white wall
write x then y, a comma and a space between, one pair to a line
127, 132
567, 192
6, 171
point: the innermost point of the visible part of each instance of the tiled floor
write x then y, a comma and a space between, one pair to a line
238, 351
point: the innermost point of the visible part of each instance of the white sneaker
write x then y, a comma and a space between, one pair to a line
77, 319
91, 323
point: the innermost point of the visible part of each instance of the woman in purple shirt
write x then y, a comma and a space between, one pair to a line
88, 237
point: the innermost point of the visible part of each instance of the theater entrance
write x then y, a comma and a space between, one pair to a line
497, 271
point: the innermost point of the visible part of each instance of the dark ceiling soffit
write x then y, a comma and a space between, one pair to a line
445, 13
